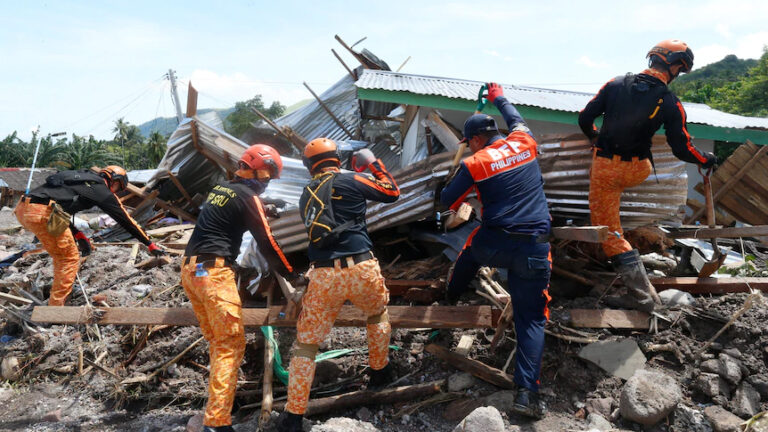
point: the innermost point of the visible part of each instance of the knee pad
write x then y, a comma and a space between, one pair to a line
379, 318
305, 350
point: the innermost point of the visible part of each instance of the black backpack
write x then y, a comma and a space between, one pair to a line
637, 102
322, 228
72, 178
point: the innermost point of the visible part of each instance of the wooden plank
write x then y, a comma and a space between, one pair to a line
179, 186
735, 232
350, 316
608, 318
696, 285
14, 299
329, 112
162, 204
590, 234
476, 368
191, 101
354, 77
465, 345
146, 202
170, 229
721, 218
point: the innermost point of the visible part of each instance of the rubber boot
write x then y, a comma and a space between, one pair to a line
639, 289
218, 429
527, 403
380, 378
289, 422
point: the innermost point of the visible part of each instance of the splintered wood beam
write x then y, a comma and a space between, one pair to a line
350, 316
178, 185
329, 112
608, 318
344, 64
476, 368
696, 285
590, 234
708, 233
162, 204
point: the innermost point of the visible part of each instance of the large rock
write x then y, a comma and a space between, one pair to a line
598, 422
602, 406
501, 400
712, 385
621, 358
648, 397
746, 401
726, 366
722, 420
10, 369
343, 424
483, 419
677, 298
760, 383
460, 381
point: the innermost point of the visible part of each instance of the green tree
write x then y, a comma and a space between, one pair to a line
155, 148
129, 143
241, 119
85, 153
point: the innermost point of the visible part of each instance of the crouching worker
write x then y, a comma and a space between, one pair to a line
47, 212
343, 268
513, 235
209, 279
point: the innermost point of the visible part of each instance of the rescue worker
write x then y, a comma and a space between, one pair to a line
208, 278
513, 234
344, 269
634, 107
75, 191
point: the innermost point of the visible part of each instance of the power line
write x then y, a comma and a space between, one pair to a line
112, 116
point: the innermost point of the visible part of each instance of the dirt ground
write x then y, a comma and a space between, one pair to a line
50, 395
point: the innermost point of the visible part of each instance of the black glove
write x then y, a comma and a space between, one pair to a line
83, 244
298, 280
271, 210
711, 160
155, 250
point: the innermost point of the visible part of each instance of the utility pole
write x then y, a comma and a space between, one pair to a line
175, 94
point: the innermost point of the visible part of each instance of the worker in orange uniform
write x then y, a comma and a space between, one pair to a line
208, 278
634, 107
342, 266
74, 191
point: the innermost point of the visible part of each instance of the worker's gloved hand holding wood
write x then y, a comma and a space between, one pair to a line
83, 244
361, 159
494, 91
711, 160
156, 250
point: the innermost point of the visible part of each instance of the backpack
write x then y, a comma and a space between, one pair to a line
322, 228
72, 178
636, 103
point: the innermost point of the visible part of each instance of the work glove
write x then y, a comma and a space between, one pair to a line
711, 160
298, 279
155, 250
271, 211
83, 244
494, 91
361, 159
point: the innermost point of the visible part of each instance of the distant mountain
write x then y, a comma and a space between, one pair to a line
716, 75
166, 125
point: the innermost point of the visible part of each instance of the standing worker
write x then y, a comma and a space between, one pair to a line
514, 233
208, 278
47, 211
343, 267
634, 107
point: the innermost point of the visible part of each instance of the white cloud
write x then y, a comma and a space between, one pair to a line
592, 64
491, 53
748, 46
723, 30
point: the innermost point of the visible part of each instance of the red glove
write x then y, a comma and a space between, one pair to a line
361, 159
83, 243
494, 91
155, 250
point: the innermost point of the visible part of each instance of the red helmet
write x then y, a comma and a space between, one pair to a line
260, 157
320, 153
114, 173
673, 51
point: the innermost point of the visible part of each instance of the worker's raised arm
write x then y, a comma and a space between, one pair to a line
458, 188
594, 109
511, 115
256, 222
380, 186
679, 139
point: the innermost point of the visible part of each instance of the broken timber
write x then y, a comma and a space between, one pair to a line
476, 368
590, 234
350, 316
608, 318
708, 233
696, 285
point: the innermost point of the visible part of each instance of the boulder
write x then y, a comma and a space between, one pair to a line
648, 397
460, 381
483, 419
722, 420
598, 422
712, 385
677, 298
746, 401
602, 406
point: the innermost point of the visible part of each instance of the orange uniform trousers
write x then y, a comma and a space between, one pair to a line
329, 288
607, 180
218, 308
63, 249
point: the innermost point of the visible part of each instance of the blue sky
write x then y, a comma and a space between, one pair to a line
78, 66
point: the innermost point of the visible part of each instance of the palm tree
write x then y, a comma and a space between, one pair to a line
121, 133
156, 147
82, 153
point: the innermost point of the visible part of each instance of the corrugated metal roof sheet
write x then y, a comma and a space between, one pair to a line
560, 100
16, 178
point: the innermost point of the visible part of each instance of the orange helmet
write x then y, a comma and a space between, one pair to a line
319, 153
114, 173
260, 157
673, 51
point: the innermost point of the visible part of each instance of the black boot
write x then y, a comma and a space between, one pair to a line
218, 429
527, 403
380, 378
639, 288
289, 422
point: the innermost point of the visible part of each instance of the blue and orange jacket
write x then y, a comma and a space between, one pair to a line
629, 122
506, 177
